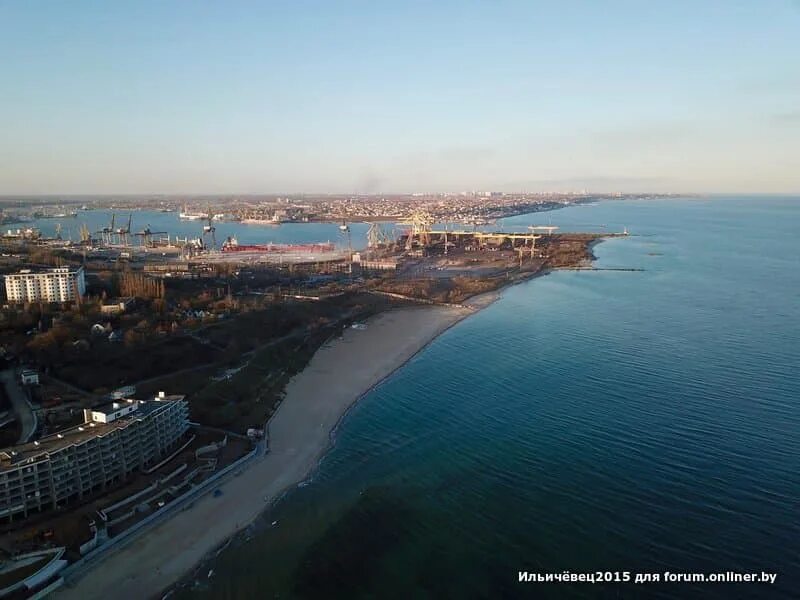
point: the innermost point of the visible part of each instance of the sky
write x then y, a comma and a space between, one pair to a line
176, 97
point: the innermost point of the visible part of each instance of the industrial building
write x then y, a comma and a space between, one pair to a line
117, 306
114, 440
60, 284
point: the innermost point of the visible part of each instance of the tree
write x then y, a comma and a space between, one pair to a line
132, 338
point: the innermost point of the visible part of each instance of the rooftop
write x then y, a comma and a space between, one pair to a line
45, 270
15, 456
112, 407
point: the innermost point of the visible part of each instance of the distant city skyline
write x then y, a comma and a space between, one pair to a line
356, 97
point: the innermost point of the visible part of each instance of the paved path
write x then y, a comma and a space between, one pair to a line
19, 403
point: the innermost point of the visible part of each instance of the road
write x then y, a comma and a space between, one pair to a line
19, 403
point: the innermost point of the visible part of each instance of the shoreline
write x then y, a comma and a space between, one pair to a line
164, 558
161, 558
244, 533
474, 304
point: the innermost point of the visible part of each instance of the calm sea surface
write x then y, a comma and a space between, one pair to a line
96, 220
615, 421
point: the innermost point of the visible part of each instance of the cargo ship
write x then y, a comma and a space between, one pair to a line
259, 221
196, 216
262, 219
58, 215
232, 245
190, 216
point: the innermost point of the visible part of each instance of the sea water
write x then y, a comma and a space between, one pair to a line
633, 421
96, 220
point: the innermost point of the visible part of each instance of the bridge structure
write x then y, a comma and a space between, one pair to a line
422, 234
524, 241
543, 229
487, 235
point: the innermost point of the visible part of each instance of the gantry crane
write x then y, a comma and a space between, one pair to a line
122, 233
377, 236
147, 234
420, 228
209, 230
106, 232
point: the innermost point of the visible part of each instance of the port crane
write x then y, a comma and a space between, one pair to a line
106, 232
209, 230
147, 234
378, 236
421, 223
123, 232
344, 229
86, 236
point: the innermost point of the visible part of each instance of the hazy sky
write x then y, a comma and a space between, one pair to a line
172, 97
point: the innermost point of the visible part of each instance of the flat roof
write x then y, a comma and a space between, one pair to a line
46, 270
115, 405
15, 456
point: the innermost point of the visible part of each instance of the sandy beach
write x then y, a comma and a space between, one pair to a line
300, 433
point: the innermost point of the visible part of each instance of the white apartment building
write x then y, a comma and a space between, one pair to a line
49, 285
114, 441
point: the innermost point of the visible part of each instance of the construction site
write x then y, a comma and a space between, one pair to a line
449, 264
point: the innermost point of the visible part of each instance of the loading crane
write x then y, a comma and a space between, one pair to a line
344, 229
209, 230
107, 232
123, 232
146, 236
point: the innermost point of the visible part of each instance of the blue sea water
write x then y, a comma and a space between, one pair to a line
95, 220
587, 421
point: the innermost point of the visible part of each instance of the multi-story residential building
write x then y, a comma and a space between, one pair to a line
115, 440
61, 284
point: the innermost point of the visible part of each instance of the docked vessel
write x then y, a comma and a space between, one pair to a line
232, 245
58, 215
259, 220
190, 216
254, 221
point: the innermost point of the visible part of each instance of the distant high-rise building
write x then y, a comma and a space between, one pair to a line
61, 284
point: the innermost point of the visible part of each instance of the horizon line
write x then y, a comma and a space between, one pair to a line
12, 195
